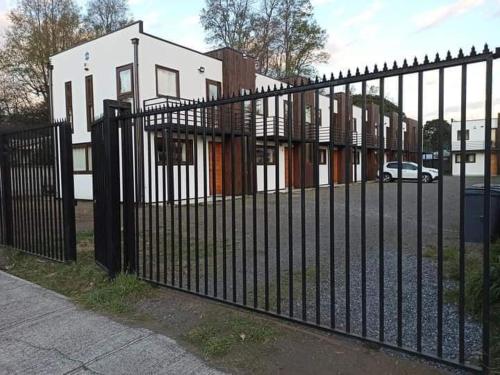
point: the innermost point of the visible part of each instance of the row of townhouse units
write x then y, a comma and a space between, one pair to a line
146, 71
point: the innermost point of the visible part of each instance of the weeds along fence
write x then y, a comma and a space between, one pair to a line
251, 200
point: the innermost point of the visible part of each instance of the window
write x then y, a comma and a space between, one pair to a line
213, 89
322, 156
409, 167
357, 158
89, 101
124, 82
268, 155
182, 151
308, 114
469, 158
167, 82
82, 158
285, 111
459, 135
248, 103
259, 106
69, 103
392, 166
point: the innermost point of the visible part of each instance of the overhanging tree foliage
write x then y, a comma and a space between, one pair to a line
282, 35
431, 137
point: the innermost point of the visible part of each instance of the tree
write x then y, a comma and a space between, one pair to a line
282, 35
105, 16
37, 30
431, 135
228, 23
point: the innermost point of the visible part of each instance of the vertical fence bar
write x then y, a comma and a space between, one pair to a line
214, 203
486, 210
178, 163
440, 217
156, 201
171, 187
205, 199
53, 196
381, 157
266, 207
244, 147
303, 146
317, 121
68, 192
196, 203
400, 214
188, 199
419, 210
364, 125
223, 128
277, 199
254, 202
163, 160
6, 189
461, 287
331, 174
289, 127
233, 203
150, 203
348, 169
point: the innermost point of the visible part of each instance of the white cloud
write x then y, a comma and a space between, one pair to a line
365, 15
443, 13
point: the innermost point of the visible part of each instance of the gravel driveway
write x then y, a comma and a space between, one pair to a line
290, 276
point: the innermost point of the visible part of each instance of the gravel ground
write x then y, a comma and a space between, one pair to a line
304, 258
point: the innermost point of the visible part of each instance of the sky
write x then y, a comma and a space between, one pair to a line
364, 32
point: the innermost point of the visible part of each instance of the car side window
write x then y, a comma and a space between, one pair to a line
409, 167
392, 165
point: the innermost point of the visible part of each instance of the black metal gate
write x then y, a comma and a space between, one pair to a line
263, 201
37, 193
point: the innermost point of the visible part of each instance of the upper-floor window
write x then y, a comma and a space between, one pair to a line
265, 155
213, 89
259, 106
459, 135
308, 114
124, 82
89, 101
69, 103
167, 82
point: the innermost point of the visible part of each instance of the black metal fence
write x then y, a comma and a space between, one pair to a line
37, 193
219, 202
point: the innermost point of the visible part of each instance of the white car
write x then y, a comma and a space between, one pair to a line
409, 171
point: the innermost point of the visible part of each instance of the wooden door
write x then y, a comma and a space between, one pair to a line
288, 178
337, 166
217, 152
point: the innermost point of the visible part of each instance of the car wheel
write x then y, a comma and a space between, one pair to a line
426, 178
387, 177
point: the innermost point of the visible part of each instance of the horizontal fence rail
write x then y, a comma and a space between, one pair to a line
37, 194
271, 201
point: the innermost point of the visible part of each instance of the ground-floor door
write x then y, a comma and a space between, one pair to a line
215, 167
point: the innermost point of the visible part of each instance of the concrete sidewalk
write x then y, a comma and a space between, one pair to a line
42, 332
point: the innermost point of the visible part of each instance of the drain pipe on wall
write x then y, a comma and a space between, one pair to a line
137, 105
50, 69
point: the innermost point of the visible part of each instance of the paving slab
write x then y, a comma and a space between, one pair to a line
42, 332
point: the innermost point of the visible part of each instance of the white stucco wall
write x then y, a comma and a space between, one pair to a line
471, 169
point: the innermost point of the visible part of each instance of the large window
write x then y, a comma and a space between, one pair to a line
124, 82
82, 158
69, 103
267, 155
182, 151
469, 158
89, 101
167, 82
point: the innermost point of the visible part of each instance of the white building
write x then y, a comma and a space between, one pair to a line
474, 146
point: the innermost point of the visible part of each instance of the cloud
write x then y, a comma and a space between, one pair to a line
365, 15
443, 13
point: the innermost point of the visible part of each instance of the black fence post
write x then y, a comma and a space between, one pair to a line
6, 193
68, 191
128, 192
112, 190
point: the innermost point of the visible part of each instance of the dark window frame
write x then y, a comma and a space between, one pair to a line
259, 161
322, 157
209, 82
86, 146
467, 135
68, 97
89, 101
458, 157
160, 141
177, 82
128, 94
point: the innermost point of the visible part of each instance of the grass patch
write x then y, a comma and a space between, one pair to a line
474, 288
220, 336
82, 281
